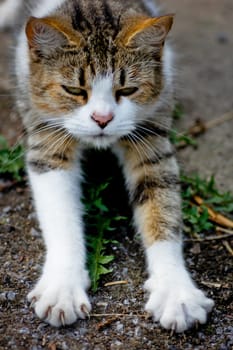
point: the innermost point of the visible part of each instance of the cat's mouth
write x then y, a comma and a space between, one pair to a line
100, 140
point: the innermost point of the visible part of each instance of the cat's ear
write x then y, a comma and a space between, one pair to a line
145, 32
47, 34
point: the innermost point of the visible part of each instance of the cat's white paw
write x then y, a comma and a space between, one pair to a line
60, 301
177, 305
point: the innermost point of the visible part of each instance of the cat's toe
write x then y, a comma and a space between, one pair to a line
179, 309
60, 306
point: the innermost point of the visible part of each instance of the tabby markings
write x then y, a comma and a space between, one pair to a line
145, 188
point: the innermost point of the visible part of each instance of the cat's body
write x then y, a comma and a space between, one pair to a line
96, 73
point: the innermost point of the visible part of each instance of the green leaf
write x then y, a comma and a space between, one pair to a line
106, 259
11, 160
176, 138
103, 270
178, 111
194, 220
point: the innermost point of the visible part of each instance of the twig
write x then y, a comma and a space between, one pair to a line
115, 283
219, 120
210, 238
222, 229
211, 284
106, 323
201, 126
216, 217
146, 315
228, 247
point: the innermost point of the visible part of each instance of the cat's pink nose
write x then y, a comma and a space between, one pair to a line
102, 119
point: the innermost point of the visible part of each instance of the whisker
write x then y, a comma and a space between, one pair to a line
134, 144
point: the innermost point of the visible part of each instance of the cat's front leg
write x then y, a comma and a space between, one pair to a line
59, 296
174, 300
153, 181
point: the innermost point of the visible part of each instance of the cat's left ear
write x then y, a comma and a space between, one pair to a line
141, 32
44, 35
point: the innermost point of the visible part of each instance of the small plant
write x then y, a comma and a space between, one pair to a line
11, 160
100, 222
196, 218
181, 139
178, 111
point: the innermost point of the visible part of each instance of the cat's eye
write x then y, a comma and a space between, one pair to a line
126, 91
75, 91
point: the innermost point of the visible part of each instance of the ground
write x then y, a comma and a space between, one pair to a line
202, 37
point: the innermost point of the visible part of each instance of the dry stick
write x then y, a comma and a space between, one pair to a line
210, 238
106, 323
120, 315
201, 126
228, 247
217, 218
222, 229
220, 120
115, 283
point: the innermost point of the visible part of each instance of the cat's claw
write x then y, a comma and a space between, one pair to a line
61, 303
177, 307
32, 303
62, 318
85, 310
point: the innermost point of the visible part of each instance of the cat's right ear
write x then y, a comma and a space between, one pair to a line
45, 35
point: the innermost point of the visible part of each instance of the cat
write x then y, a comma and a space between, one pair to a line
98, 73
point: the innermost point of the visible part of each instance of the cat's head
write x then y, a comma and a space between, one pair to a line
99, 85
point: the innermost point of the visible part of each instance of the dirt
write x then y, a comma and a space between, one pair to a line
203, 38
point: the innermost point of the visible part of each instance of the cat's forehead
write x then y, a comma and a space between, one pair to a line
102, 84
94, 64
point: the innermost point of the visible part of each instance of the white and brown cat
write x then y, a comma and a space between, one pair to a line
96, 73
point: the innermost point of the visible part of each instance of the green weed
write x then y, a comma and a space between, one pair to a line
178, 111
195, 220
100, 223
11, 160
178, 138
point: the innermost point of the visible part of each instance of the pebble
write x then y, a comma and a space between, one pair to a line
3, 296
32, 216
6, 210
138, 332
219, 330
34, 232
24, 331
125, 271
119, 327
64, 346
116, 345
11, 296
82, 331
135, 321
7, 296
201, 335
